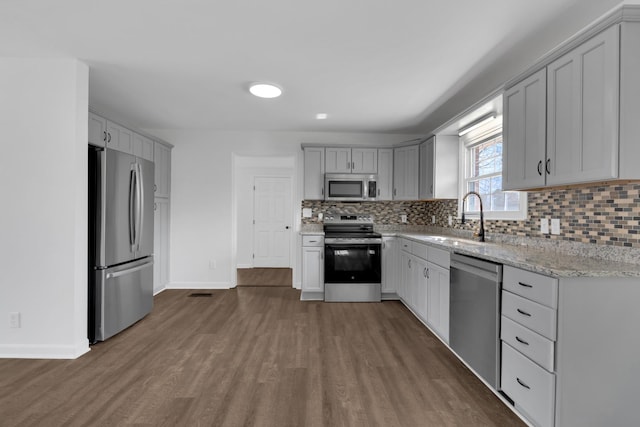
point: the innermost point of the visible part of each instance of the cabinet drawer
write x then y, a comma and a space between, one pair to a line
419, 250
531, 387
405, 245
312, 240
533, 345
534, 286
440, 257
528, 313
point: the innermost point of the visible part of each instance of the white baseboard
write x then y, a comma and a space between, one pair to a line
244, 266
199, 285
31, 351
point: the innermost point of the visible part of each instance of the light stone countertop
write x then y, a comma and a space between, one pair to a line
556, 259
545, 261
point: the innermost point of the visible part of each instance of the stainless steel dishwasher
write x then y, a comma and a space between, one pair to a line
474, 316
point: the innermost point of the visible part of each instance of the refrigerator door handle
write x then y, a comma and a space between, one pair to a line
128, 271
132, 207
140, 204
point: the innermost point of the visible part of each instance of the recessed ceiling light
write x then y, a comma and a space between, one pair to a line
265, 90
321, 116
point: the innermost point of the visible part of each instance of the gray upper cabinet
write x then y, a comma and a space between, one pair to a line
439, 167
351, 160
385, 174
142, 147
338, 160
406, 163
575, 120
582, 109
524, 133
97, 130
162, 159
119, 138
364, 160
314, 169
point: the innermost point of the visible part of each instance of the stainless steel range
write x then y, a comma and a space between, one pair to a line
352, 261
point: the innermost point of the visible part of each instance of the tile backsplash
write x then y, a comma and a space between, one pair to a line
598, 214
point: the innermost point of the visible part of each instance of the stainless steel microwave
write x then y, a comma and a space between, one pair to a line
350, 187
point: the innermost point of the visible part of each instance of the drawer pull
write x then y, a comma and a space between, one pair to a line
521, 340
524, 313
526, 285
523, 384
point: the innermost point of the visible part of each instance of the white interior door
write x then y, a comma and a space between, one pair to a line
272, 218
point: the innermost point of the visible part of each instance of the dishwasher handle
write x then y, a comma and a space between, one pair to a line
478, 267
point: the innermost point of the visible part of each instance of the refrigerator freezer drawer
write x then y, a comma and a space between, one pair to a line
124, 295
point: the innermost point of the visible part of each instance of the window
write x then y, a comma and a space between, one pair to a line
483, 174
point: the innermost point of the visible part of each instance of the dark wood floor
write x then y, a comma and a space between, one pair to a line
255, 357
265, 277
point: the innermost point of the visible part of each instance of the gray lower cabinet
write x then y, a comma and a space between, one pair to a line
161, 244
389, 286
424, 284
569, 353
312, 267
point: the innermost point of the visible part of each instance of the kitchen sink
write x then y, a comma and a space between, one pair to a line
452, 240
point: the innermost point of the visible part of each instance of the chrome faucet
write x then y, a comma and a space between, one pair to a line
481, 232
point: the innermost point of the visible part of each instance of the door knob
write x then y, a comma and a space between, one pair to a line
287, 227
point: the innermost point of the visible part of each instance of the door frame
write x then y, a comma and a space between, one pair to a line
244, 169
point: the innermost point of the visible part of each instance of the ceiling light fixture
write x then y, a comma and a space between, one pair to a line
321, 116
476, 124
265, 90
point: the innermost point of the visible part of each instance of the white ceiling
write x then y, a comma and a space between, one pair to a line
371, 65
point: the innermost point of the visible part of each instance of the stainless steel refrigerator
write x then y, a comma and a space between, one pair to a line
120, 241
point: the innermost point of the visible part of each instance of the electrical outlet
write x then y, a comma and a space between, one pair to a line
544, 225
555, 225
213, 265
14, 319
450, 220
403, 217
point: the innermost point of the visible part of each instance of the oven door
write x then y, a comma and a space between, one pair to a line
352, 263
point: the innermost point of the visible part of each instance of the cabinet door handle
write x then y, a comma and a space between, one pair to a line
109, 137
547, 166
431, 189
526, 285
521, 341
155, 206
409, 263
322, 191
523, 384
540, 168
384, 245
104, 135
348, 165
395, 192
524, 313
353, 165
378, 191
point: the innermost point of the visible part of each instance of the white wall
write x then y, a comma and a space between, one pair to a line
43, 220
203, 217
